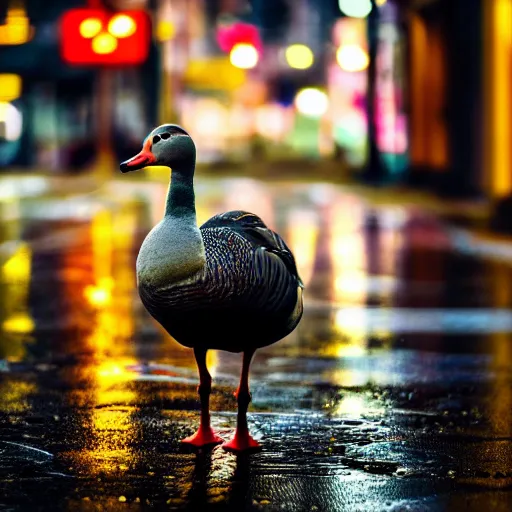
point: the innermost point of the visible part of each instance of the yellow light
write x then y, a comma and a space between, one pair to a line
355, 8
104, 43
10, 86
17, 268
100, 295
20, 323
311, 102
90, 27
299, 56
499, 71
17, 29
352, 57
122, 25
244, 56
97, 296
379, 3
165, 31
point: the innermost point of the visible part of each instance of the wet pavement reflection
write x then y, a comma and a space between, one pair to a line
394, 393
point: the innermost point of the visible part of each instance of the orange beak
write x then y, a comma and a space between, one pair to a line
142, 159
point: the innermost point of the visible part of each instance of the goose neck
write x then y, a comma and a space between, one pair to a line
180, 197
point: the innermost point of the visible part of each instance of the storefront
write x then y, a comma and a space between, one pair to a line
460, 62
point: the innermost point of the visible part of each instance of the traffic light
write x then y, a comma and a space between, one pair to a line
98, 37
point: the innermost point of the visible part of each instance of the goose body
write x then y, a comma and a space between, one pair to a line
245, 294
231, 284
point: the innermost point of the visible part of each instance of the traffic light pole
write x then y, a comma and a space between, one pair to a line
105, 160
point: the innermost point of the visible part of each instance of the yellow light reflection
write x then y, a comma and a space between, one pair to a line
15, 319
19, 323
17, 268
348, 252
357, 406
349, 266
302, 237
499, 347
14, 396
111, 429
101, 294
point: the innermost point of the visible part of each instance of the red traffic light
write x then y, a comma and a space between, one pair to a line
97, 37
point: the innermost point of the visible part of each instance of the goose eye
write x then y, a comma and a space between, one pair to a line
165, 135
156, 139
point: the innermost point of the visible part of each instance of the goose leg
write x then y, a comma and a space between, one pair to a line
205, 434
242, 440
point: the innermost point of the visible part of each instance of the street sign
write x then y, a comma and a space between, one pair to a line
97, 37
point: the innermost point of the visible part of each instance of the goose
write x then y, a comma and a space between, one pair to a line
231, 284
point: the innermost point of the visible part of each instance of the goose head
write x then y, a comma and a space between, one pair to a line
168, 145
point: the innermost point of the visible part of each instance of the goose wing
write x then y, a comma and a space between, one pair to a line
264, 240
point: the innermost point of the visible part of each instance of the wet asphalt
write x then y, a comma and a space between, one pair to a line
394, 393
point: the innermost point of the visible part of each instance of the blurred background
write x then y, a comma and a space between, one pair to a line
387, 91
354, 128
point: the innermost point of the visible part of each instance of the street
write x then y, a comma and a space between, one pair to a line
394, 393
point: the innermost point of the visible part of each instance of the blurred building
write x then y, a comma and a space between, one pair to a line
273, 80
460, 75
283, 80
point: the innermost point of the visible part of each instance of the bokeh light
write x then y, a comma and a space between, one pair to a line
104, 43
12, 120
122, 25
355, 8
165, 30
244, 56
311, 102
352, 57
10, 86
16, 29
90, 27
299, 56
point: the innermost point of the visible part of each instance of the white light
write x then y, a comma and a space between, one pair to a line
355, 8
11, 117
244, 56
352, 58
311, 102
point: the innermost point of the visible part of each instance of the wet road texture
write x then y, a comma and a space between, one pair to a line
394, 393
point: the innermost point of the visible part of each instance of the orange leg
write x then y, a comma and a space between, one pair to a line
242, 440
205, 434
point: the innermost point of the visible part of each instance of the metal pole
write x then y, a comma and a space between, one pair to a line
105, 162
